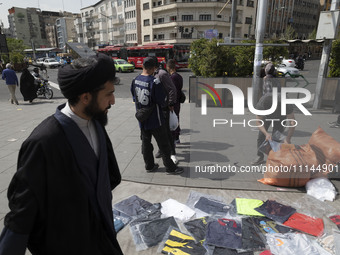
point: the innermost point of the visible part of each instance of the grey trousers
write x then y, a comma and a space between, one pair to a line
11, 89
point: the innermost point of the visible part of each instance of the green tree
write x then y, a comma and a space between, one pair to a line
312, 35
334, 64
289, 33
16, 50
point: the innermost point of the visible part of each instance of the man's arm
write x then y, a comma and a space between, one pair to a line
169, 86
291, 129
262, 129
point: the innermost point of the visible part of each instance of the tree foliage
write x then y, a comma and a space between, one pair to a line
334, 64
209, 60
16, 50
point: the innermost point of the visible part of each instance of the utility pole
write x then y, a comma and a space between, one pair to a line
326, 51
233, 20
260, 31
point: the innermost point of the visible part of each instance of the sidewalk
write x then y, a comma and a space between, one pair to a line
236, 147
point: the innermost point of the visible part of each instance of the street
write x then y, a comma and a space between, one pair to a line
123, 89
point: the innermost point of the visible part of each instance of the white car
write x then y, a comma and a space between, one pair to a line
288, 62
51, 63
287, 71
39, 61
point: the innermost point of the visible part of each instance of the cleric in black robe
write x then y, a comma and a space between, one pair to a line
60, 197
28, 88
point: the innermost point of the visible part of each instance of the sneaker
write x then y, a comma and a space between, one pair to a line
335, 125
155, 167
177, 171
158, 154
174, 159
331, 123
258, 161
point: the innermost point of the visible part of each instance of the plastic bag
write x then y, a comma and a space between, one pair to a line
274, 144
173, 121
321, 188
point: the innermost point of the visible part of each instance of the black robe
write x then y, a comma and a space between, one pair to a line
28, 87
60, 197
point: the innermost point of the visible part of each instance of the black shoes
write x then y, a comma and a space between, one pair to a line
258, 161
155, 167
177, 171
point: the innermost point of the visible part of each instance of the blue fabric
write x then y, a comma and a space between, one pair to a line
147, 91
224, 233
10, 76
12, 243
276, 211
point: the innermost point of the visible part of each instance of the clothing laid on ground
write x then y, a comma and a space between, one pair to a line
226, 251
224, 233
305, 223
268, 226
133, 206
176, 209
211, 206
179, 243
151, 233
336, 220
290, 243
198, 227
74, 219
246, 206
252, 238
276, 211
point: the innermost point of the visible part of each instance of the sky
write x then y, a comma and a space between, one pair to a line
73, 6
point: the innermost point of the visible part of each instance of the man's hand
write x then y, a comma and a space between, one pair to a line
268, 137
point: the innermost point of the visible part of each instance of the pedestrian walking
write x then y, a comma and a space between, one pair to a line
28, 87
60, 197
149, 97
177, 80
11, 81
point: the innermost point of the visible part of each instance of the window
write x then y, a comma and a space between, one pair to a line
119, 2
205, 17
146, 22
249, 20
250, 3
160, 20
146, 6
146, 38
173, 18
187, 17
159, 3
160, 37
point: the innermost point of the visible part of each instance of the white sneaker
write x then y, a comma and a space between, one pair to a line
174, 159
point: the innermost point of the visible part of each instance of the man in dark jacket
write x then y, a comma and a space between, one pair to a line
60, 198
148, 92
171, 97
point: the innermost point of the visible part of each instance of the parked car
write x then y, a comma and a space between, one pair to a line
287, 71
39, 61
122, 65
51, 63
288, 62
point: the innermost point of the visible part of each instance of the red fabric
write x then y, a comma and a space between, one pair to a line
266, 253
305, 223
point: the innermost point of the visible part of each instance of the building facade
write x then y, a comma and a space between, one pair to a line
301, 15
66, 30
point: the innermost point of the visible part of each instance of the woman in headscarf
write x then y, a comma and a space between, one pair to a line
27, 87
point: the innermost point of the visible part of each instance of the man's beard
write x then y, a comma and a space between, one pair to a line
93, 111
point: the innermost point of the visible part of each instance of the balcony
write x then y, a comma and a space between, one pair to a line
118, 33
118, 21
197, 4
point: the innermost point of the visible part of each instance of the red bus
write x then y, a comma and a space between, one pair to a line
136, 54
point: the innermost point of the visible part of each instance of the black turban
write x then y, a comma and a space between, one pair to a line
74, 82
